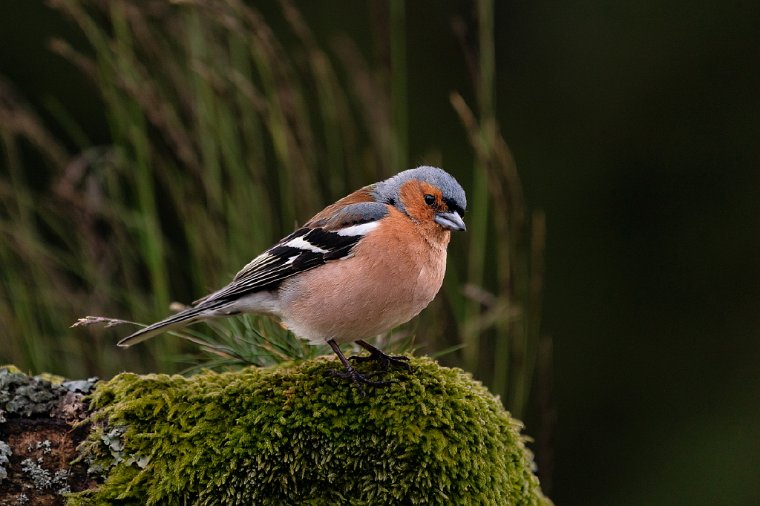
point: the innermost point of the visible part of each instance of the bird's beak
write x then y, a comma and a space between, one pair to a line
450, 221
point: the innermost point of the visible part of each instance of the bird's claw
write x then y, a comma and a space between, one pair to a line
384, 360
359, 379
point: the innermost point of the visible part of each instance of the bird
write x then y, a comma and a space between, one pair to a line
363, 265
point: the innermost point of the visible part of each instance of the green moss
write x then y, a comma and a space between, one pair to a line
295, 434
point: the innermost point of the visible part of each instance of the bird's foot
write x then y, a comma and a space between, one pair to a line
385, 361
359, 379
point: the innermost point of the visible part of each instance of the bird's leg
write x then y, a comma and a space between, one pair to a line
350, 372
378, 356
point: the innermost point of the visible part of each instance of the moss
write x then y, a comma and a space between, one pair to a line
295, 434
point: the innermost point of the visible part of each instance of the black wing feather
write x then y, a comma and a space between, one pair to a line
284, 260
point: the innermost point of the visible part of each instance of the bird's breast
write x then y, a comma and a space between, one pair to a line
388, 280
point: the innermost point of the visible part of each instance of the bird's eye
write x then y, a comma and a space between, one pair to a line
429, 199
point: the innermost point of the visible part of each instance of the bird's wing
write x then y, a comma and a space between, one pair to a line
321, 240
330, 235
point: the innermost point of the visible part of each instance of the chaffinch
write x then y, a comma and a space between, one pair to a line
363, 265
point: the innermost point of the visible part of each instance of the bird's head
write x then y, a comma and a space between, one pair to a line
426, 195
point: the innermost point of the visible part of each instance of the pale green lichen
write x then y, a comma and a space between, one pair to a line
5, 453
296, 435
43, 479
27, 396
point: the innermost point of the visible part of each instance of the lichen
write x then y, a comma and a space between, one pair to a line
45, 445
38, 425
296, 434
43, 479
26, 395
5, 453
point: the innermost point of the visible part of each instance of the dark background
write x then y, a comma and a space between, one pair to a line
636, 127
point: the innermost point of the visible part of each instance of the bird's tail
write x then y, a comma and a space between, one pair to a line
179, 320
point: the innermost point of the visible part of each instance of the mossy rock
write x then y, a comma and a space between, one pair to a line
295, 434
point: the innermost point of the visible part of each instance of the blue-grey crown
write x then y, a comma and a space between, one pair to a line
453, 194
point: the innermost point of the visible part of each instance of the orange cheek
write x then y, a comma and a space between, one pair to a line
412, 196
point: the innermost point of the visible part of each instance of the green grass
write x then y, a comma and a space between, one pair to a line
225, 135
